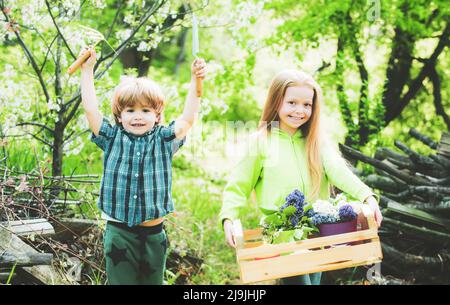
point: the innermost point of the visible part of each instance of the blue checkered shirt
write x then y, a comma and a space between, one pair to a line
137, 172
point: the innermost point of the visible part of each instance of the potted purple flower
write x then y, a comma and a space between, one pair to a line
334, 216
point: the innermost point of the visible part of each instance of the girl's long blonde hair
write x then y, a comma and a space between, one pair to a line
311, 129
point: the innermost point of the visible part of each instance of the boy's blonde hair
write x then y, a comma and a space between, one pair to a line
311, 129
134, 91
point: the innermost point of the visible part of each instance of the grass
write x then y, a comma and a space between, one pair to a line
21, 155
11, 274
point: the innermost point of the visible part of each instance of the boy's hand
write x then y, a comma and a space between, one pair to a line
90, 62
198, 68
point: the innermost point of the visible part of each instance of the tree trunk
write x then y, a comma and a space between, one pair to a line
132, 58
182, 54
396, 107
399, 69
58, 145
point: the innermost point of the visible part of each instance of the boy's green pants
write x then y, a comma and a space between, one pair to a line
136, 255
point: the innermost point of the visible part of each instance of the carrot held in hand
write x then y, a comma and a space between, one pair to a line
77, 63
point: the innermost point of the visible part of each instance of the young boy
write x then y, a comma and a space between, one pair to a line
135, 192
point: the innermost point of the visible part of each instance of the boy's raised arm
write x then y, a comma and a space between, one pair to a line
192, 106
88, 96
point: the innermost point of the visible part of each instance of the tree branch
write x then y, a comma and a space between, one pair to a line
73, 111
399, 66
57, 29
49, 50
114, 20
41, 140
69, 139
417, 158
406, 261
122, 46
36, 124
117, 53
384, 183
342, 97
385, 153
29, 56
380, 165
58, 85
423, 138
416, 84
435, 79
423, 233
363, 108
182, 54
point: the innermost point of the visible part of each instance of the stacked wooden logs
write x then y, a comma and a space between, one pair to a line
415, 201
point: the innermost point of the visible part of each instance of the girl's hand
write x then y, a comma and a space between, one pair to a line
198, 68
90, 62
372, 202
229, 236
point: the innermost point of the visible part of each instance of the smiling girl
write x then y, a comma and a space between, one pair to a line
290, 152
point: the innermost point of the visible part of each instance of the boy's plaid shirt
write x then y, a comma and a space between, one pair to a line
137, 172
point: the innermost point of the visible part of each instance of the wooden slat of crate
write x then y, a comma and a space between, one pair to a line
270, 250
307, 256
253, 244
254, 234
314, 261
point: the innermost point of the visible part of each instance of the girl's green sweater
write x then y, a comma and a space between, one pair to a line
276, 164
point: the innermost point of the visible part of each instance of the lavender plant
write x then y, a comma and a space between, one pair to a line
291, 222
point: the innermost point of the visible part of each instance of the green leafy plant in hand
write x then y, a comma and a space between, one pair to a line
290, 222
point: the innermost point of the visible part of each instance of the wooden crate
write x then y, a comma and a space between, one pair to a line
260, 262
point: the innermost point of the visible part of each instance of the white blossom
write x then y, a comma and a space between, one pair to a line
129, 18
71, 7
144, 46
99, 3
205, 107
122, 35
52, 105
326, 208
